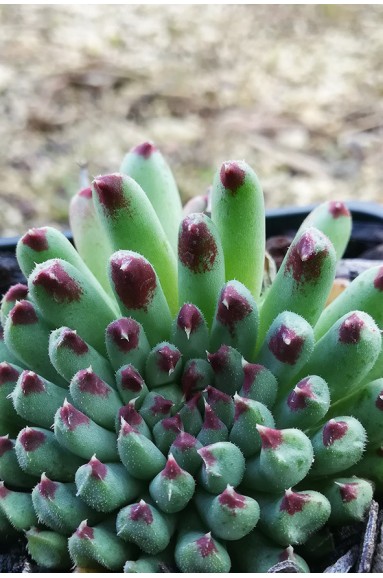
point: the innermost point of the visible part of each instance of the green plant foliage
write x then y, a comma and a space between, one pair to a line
159, 408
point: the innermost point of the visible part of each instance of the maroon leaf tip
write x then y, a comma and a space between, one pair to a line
348, 492
206, 546
17, 292
23, 313
36, 239
31, 439
72, 417
300, 395
338, 209
286, 554
190, 379
89, 382
189, 318
6, 445
197, 248
271, 438
192, 403
231, 499
72, 341
185, 441
30, 383
305, 260
232, 308
131, 380
134, 279
378, 401
141, 513
250, 371
219, 360
173, 423
305, 247
215, 395
211, 420
84, 532
286, 345
208, 457
292, 502
167, 358
130, 415
85, 193
161, 405
333, 431
350, 329
145, 149
378, 281
8, 373
98, 469
232, 176
241, 406
3, 491
172, 470
58, 283
126, 428
110, 193
124, 333
47, 488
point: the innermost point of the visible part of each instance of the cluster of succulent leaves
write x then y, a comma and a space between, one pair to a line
160, 407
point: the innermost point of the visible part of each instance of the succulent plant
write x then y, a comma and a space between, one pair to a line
161, 406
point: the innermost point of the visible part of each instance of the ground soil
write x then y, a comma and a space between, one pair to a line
295, 90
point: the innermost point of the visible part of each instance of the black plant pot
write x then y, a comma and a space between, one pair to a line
358, 548
367, 230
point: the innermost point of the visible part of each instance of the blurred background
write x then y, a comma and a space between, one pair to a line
297, 91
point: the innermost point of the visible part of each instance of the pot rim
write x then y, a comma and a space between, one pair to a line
278, 219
